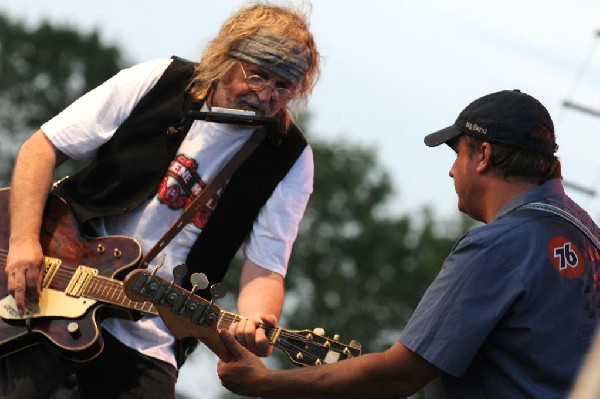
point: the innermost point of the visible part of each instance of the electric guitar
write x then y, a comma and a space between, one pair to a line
189, 315
79, 289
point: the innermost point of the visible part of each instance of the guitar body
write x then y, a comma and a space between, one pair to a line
61, 239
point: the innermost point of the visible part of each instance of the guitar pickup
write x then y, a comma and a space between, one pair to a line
51, 265
79, 281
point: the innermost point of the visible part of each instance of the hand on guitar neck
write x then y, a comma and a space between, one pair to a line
189, 315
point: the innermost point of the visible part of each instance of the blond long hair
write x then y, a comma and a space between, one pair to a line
277, 21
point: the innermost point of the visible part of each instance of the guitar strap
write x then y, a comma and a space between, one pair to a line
206, 194
590, 230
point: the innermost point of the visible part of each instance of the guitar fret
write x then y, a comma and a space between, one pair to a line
219, 326
273, 334
227, 318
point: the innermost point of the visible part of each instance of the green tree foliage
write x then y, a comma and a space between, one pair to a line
356, 270
42, 70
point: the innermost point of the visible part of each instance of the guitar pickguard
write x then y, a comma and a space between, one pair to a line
55, 303
52, 304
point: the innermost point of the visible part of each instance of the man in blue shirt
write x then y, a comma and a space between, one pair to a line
514, 307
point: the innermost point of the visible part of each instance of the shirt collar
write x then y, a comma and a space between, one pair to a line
551, 188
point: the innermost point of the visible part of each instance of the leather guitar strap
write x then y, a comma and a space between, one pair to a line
209, 191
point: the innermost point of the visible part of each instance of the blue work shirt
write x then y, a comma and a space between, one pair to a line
514, 307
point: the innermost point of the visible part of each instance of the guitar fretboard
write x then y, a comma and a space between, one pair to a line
111, 291
226, 319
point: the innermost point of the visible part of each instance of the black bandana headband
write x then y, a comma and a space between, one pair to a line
271, 54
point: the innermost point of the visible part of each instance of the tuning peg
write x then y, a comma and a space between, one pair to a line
179, 272
319, 331
217, 291
199, 281
159, 262
336, 337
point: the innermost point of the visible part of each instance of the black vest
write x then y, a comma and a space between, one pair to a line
129, 167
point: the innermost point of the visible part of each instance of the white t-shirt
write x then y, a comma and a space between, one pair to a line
90, 121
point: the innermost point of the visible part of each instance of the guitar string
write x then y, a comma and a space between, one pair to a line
231, 318
109, 288
105, 289
116, 287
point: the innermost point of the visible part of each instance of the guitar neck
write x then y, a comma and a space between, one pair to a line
226, 319
111, 291
189, 315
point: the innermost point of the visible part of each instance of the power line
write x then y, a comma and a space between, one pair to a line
583, 190
581, 108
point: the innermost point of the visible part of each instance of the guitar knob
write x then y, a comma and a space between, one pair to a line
319, 331
73, 329
336, 337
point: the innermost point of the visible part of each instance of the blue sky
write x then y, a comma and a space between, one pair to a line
394, 71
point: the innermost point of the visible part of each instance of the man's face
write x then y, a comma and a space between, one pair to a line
466, 179
233, 90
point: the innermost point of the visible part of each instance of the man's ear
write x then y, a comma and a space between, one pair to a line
484, 157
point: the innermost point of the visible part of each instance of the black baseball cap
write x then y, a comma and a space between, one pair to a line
503, 118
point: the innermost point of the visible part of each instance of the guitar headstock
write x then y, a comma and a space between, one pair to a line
184, 313
309, 348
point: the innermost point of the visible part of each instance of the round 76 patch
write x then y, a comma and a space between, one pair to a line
566, 257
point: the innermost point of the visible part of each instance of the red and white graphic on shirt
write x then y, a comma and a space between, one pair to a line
566, 257
181, 186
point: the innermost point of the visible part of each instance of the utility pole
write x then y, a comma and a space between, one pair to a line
589, 111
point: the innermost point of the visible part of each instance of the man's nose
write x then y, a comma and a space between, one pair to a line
265, 94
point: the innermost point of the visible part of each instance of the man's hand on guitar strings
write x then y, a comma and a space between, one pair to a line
24, 273
249, 333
